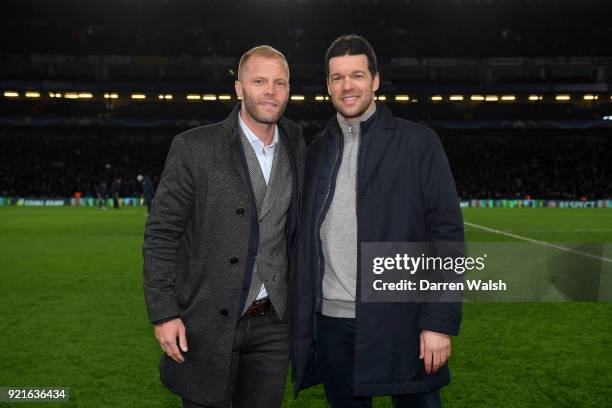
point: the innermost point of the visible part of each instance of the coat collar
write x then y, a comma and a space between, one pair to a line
376, 133
283, 125
381, 119
289, 133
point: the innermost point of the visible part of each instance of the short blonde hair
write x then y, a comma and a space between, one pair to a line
265, 51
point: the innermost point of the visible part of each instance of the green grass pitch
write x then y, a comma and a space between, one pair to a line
72, 314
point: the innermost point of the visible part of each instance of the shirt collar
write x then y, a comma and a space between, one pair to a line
252, 137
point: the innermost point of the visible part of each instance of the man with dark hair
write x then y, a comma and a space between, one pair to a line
218, 242
369, 177
352, 45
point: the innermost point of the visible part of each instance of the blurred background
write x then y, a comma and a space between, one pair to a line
518, 90
92, 93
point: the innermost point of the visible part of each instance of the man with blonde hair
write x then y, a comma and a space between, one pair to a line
217, 245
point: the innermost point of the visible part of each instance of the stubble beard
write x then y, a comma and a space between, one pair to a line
252, 110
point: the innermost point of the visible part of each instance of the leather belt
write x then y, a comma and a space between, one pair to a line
258, 308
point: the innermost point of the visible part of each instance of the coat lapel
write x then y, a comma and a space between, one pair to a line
237, 161
291, 144
378, 135
231, 123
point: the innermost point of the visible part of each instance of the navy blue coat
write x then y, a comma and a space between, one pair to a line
405, 193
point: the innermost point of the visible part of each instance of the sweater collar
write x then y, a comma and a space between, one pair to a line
353, 125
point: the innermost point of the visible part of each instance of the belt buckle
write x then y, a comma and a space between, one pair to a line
253, 311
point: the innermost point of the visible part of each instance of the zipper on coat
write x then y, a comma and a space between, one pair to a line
318, 294
357, 280
357, 180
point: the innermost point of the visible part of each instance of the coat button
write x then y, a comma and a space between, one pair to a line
240, 211
223, 312
274, 278
234, 260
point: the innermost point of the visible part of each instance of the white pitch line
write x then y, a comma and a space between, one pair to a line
535, 241
567, 230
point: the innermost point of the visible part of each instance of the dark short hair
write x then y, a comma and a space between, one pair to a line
351, 44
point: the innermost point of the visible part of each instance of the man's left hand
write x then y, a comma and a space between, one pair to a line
435, 350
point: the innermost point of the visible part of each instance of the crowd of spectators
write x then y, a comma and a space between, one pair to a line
304, 28
58, 162
515, 163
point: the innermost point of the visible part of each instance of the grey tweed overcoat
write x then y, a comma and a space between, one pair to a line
200, 244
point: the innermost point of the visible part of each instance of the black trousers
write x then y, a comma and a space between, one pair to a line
260, 359
336, 348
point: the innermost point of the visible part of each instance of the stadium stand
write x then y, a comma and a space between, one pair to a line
303, 29
54, 146
57, 162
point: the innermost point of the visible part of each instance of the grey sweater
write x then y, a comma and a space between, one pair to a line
339, 228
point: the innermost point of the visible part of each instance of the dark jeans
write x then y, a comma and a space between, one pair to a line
336, 348
260, 359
